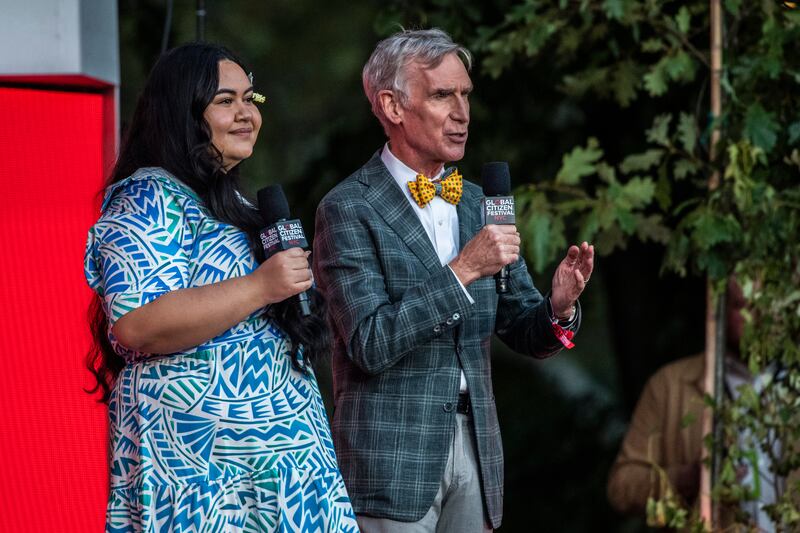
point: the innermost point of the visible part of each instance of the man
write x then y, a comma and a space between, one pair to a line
412, 304
666, 432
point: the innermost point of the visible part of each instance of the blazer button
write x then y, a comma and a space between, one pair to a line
456, 316
448, 406
449, 321
437, 328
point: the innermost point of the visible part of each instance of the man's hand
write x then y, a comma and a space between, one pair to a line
490, 250
571, 277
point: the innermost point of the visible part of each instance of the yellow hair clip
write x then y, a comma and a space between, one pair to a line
259, 98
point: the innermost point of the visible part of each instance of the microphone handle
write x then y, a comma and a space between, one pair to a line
501, 280
305, 305
302, 298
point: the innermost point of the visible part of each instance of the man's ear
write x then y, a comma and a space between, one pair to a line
390, 105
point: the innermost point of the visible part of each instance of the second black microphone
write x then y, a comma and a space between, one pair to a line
280, 232
498, 207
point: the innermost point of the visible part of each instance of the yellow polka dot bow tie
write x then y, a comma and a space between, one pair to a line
423, 189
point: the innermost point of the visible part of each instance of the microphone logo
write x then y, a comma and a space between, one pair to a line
282, 236
498, 210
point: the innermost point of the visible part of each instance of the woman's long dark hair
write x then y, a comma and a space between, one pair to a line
168, 131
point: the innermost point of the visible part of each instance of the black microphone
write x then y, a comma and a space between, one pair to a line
498, 207
280, 232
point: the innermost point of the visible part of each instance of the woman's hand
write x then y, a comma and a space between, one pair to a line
283, 275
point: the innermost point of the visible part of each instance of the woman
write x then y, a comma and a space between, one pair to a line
216, 420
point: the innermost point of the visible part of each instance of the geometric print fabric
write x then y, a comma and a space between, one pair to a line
226, 436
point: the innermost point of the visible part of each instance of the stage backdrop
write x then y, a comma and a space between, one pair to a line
55, 146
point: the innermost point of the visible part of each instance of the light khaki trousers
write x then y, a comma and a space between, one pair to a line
458, 505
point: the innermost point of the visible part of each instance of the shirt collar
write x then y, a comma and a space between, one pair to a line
401, 172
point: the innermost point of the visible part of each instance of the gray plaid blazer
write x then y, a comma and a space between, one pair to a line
403, 328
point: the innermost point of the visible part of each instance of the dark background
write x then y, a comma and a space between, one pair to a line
563, 418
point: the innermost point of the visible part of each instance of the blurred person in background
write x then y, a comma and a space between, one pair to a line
665, 433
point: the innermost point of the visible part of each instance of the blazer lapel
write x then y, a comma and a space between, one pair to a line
469, 216
392, 205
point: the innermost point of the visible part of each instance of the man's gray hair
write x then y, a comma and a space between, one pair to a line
386, 67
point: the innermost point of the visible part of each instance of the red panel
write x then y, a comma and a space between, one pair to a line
56, 80
53, 472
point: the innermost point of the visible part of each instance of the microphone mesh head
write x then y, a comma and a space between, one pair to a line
496, 179
272, 204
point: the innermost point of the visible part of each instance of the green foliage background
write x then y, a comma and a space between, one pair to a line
601, 109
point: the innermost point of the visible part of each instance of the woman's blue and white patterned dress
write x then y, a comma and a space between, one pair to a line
223, 437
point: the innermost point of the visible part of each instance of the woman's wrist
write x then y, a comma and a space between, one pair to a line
258, 294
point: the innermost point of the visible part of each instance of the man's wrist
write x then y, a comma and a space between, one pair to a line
463, 287
465, 276
567, 316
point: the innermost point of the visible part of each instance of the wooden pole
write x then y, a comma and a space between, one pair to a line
714, 353
716, 84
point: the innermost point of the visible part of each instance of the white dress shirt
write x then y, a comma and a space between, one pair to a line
438, 217
759, 474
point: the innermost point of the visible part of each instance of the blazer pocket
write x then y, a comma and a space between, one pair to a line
366, 435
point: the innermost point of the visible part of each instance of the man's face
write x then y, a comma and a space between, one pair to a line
436, 117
